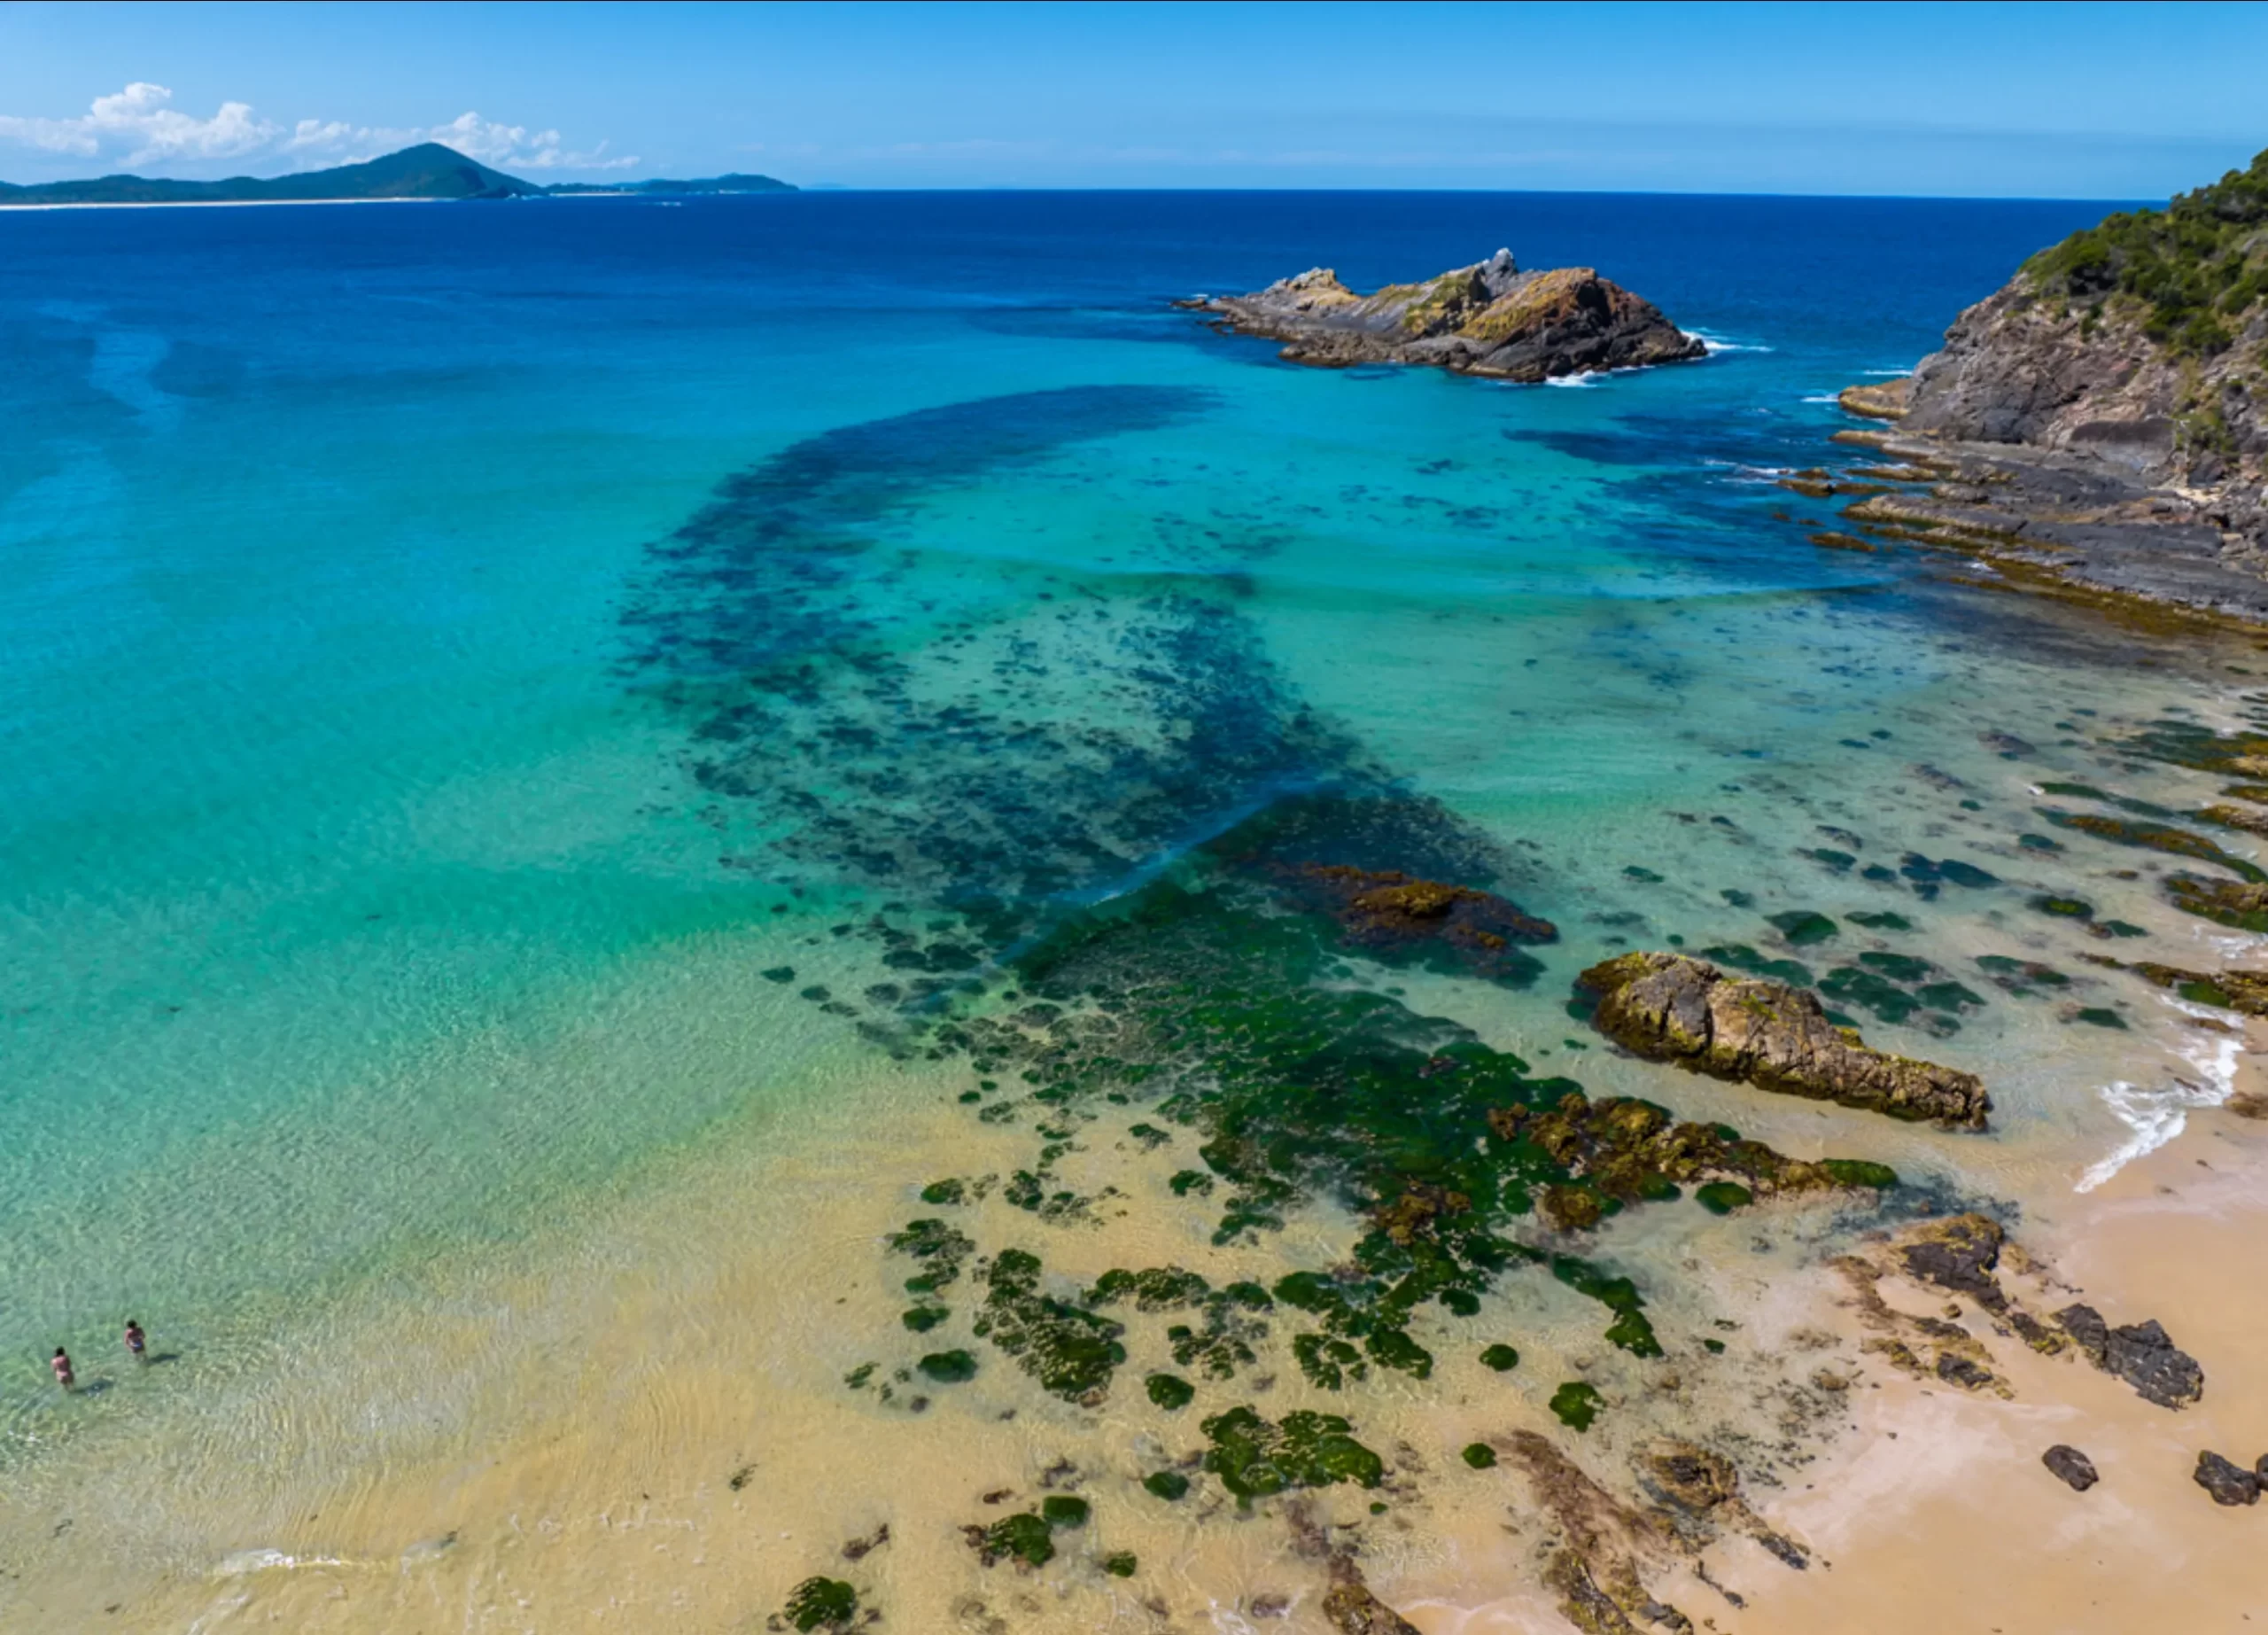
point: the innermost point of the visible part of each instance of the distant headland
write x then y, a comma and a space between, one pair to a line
428, 171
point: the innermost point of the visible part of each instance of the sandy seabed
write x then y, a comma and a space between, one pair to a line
645, 1427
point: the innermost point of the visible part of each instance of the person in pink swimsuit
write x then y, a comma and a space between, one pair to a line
137, 1343
61, 1364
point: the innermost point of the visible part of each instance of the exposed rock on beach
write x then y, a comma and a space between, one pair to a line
1671, 1008
1489, 319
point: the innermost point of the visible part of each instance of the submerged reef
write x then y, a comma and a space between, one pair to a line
1671, 1008
1489, 318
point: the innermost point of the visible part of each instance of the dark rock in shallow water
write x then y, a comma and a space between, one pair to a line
2229, 1483
2070, 1467
1386, 910
1669, 1008
1960, 1254
1486, 319
2142, 1354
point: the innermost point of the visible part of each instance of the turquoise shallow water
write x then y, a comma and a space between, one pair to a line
432, 628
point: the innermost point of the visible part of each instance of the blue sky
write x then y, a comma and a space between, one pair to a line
2100, 101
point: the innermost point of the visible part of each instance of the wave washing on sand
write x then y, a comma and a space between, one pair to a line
2158, 1114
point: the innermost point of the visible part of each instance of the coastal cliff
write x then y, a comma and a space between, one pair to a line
1489, 319
2101, 412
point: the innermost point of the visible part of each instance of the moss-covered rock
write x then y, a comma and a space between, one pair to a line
1576, 1404
1071, 1350
1169, 1393
821, 1604
1253, 1458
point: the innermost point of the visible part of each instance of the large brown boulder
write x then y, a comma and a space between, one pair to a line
1671, 1007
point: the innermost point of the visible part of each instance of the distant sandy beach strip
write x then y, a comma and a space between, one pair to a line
211, 204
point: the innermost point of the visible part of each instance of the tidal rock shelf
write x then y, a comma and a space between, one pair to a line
1489, 319
2097, 418
1671, 1008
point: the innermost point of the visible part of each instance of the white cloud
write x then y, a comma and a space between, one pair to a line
137, 126
492, 142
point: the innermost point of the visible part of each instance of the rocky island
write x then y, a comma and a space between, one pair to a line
1489, 319
2097, 420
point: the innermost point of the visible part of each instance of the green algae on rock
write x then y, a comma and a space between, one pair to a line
948, 1367
1500, 1358
1669, 1008
1169, 1485
1168, 1392
1479, 1455
2155, 837
2225, 902
1071, 1350
2245, 991
821, 1604
1576, 1405
1253, 1458
1022, 1538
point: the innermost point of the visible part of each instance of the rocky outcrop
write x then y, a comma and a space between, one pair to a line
1671, 1008
2142, 1354
1489, 319
2229, 1482
1353, 1610
2070, 1467
2101, 417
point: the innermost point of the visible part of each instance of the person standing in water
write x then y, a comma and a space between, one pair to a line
137, 1343
61, 1364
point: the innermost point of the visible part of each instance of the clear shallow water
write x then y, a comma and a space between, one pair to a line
443, 639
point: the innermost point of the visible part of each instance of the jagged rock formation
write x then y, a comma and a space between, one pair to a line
2142, 1354
2228, 1481
1671, 1007
2100, 415
1487, 319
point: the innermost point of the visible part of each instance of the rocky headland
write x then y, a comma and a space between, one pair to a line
1489, 319
2097, 420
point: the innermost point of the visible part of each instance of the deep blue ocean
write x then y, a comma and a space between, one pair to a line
453, 655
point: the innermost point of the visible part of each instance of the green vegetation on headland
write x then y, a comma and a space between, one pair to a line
427, 171
2201, 264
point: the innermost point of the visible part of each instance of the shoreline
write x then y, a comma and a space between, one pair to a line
212, 204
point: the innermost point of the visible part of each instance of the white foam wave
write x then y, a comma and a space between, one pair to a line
2155, 1117
1721, 343
1907, 370
244, 1562
1585, 377
1822, 397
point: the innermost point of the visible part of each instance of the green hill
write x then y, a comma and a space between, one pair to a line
427, 171
2200, 266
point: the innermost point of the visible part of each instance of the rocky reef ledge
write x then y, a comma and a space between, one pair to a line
2099, 419
1670, 1008
1489, 319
